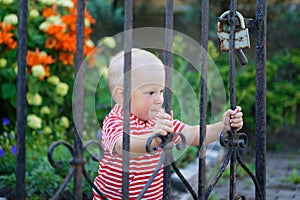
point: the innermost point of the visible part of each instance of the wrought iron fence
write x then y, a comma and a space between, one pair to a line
230, 139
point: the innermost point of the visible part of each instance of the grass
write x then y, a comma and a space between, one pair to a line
294, 177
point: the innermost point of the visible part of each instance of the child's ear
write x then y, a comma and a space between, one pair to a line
118, 94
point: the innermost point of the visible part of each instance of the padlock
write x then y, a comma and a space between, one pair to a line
242, 39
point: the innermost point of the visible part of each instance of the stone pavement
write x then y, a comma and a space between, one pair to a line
279, 168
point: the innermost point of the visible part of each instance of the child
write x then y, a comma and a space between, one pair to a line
147, 118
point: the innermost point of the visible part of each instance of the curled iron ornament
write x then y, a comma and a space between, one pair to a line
164, 141
228, 138
59, 163
98, 144
74, 162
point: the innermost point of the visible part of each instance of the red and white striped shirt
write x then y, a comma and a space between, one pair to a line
109, 179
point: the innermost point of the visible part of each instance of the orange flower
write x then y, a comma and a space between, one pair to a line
36, 58
63, 37
6, 37
55, 30
68, 42
45, 59
47, 12
89, 17
87, 49
66, 58
69, 19
39, 58
50, 43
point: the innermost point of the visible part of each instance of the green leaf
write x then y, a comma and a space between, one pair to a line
8, 90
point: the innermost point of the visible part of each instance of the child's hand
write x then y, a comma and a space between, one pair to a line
164, 124
233, 118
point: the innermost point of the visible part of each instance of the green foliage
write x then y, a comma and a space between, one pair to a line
294, 177
109, 17
42, 180
283, 28
283, 94
240, 172
283, 86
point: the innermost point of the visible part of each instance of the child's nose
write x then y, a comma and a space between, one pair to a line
159, 99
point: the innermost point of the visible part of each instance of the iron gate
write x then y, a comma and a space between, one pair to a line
233, 140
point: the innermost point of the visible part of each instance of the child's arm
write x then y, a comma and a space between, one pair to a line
164, 125
231, 118
138, 143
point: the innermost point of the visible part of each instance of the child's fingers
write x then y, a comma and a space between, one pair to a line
237, 115
163, 115
164, 130
236, 121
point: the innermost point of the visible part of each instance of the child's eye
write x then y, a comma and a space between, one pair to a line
150, 93
161, 91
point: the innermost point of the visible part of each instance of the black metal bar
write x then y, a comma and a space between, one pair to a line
260, 117
51, 150
203, 100
64, 184
78, 160
74, 162
184, 181
233, 4
219, 174
127, 93
169, 23
247, 170
85, 174
21, 100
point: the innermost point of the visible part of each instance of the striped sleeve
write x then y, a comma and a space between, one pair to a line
112, 131
178, 127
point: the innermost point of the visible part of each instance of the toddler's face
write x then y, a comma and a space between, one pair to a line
147, 92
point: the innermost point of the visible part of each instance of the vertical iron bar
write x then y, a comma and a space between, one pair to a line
21, 100
203, 102
168, 90
261, 23
127, 93
78, 102
232, 190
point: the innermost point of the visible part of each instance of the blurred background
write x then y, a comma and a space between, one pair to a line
283, 48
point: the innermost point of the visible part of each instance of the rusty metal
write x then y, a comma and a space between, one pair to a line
260, 114
203, 100
77, 161
166, 142
73, 164
215, 180
169, 24
233, 4
232, 138
128, 5
241, 56
21, 100
242, 39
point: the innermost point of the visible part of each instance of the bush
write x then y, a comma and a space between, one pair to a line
51, 43
50, 78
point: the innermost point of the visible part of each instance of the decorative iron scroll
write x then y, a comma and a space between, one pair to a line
166, 142
74, 162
